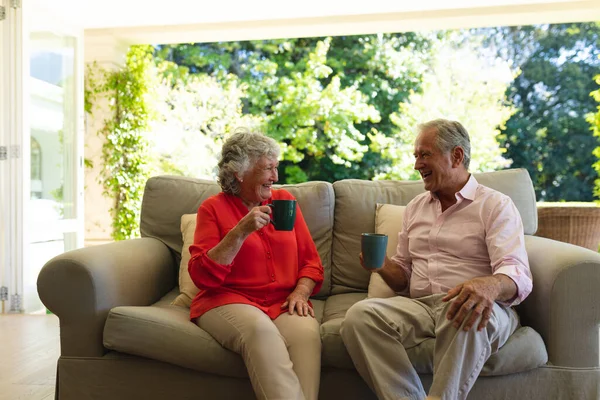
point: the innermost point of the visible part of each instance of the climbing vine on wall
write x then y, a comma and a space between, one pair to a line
125, 152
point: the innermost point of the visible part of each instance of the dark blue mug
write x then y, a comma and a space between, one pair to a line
283, 215
373, 247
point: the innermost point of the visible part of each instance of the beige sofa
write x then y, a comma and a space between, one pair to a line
122, 339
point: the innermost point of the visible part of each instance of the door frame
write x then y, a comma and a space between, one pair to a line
15, 135
13, 168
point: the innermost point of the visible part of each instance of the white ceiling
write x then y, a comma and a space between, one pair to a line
94, 14
176, 21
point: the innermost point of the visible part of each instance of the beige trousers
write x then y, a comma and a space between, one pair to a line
283, 356
377, 333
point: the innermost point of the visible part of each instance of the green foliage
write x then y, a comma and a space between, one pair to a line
549, 134
125, 152
594, 120
317, 122
463, 86
323, 99
195, 114
347, 106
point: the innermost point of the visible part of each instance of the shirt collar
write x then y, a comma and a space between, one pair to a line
467, 191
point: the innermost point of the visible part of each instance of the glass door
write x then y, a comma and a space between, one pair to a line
41, 142
54, 218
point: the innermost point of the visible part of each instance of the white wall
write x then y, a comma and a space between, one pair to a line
109, 53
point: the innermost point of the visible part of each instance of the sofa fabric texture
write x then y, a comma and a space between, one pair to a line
122, 338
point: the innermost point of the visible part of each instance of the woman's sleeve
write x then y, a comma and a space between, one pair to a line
309, 262
206, 273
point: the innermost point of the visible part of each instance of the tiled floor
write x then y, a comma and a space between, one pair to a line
29, 349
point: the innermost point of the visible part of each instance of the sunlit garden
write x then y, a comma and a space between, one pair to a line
347, 106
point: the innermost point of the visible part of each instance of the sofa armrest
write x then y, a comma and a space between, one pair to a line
81, 286
564, 306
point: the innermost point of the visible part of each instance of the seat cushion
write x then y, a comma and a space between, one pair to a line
334, 352
164, 332
523, 351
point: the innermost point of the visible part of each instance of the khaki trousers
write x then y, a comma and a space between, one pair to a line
377, 333
283, 356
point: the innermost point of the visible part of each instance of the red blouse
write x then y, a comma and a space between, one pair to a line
265, 270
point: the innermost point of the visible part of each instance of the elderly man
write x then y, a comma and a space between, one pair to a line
461, 256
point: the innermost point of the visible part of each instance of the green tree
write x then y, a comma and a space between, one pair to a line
196, 113
549, 134
464, 85
324, 99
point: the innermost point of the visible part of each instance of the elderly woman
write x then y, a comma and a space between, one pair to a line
254, 281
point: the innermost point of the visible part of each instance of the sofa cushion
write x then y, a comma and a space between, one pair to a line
164, 332
187, 288
334, 352
388, 221
356, 201
316, 200
161, 216
523, 351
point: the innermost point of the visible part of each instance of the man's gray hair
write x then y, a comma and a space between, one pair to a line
243, 149
450, 134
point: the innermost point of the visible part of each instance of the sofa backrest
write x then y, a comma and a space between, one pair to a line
167, 198
336, 214
356, 200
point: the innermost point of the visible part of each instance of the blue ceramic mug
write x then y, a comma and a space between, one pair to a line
373, 247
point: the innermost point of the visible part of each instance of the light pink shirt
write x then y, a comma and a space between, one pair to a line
480, 235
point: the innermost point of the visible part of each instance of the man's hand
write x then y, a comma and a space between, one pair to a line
391, 273
479, 295
386, 262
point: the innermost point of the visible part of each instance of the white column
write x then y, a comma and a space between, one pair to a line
108, 53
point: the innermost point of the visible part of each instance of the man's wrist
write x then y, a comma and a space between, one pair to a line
506, 287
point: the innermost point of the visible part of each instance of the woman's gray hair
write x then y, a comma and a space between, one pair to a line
239, 152
449, 135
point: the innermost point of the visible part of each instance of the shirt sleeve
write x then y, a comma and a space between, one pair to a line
206, 273
309, 262
506, 247
402, 257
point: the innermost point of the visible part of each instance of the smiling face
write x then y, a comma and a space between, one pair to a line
256, 184
438, 169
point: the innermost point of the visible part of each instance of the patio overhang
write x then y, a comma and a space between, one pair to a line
188, 21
